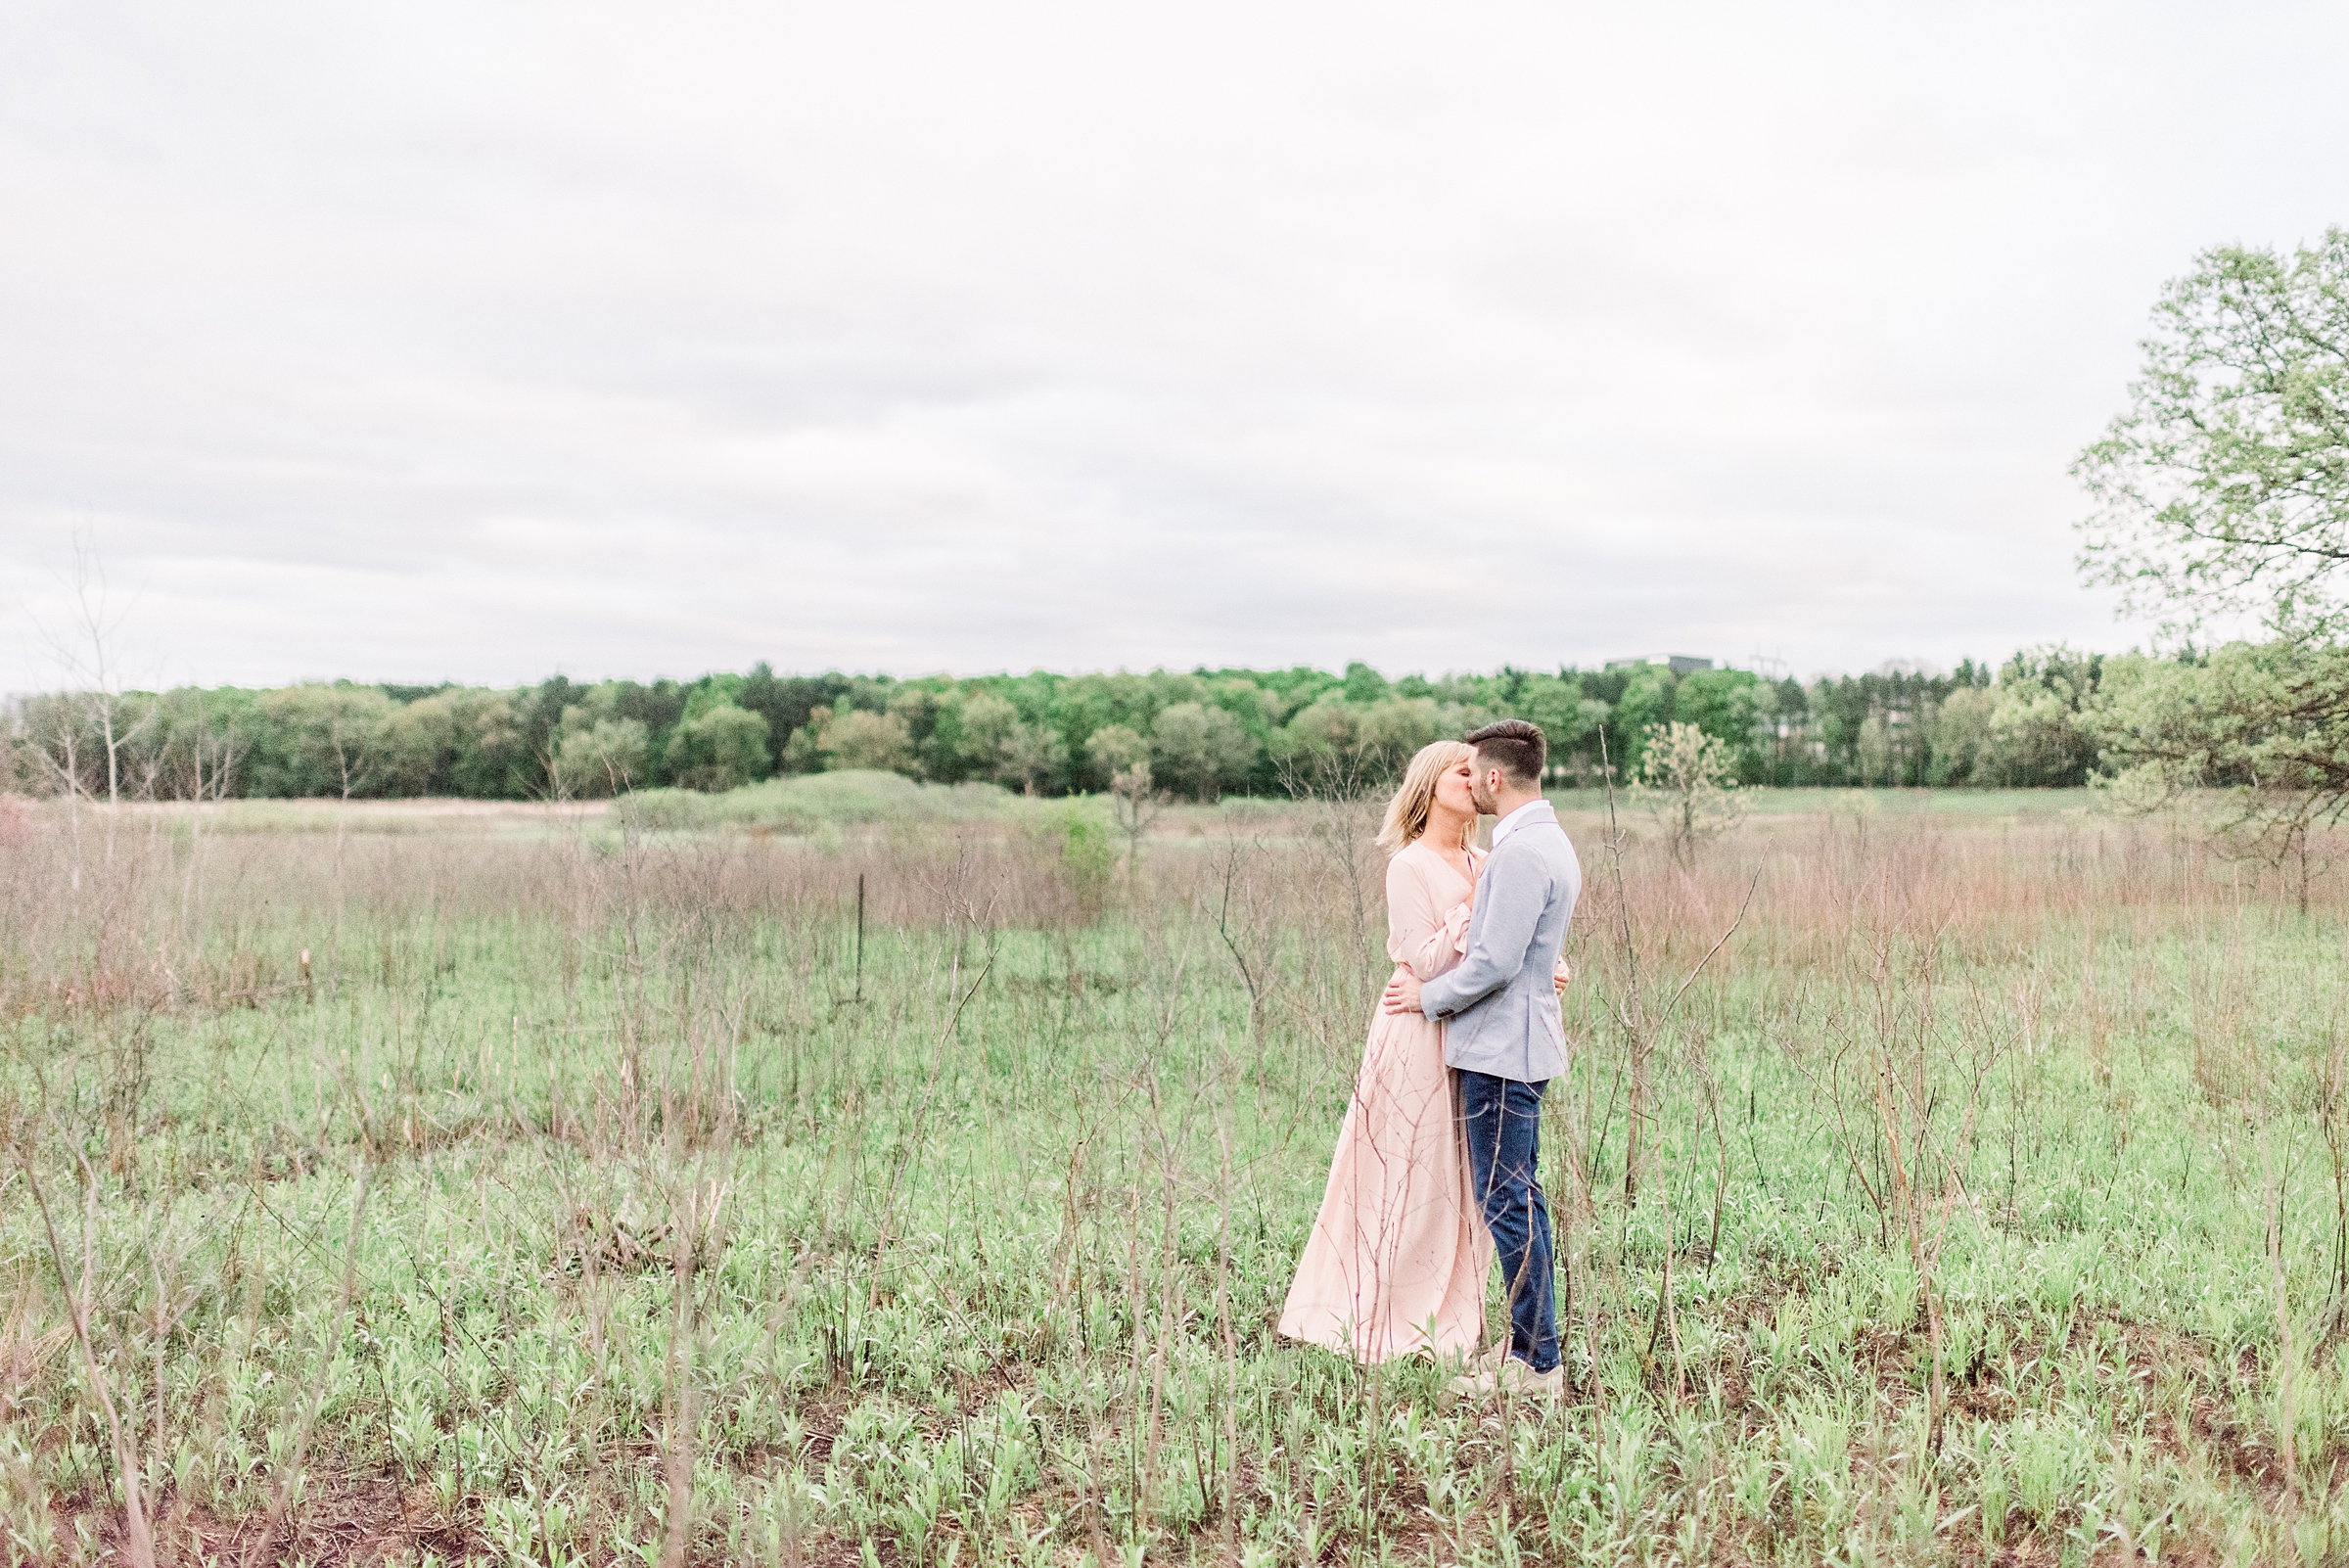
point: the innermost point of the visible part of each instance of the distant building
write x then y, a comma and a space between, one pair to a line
1678, 664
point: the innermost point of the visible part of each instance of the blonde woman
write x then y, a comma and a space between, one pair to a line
1398, 1256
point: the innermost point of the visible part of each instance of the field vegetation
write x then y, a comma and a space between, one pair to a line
860, 1144
1943, 1178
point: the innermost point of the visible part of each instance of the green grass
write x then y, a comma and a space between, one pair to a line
819, 802
1961, 805
575, 1193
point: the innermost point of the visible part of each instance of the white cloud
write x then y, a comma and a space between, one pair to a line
483, 341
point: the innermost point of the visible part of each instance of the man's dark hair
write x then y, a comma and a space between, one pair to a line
1513, 746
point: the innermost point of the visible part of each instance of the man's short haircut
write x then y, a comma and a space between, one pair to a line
1513, 746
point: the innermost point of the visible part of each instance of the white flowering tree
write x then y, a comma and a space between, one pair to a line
1688, 780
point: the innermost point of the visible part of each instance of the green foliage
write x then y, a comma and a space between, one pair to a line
2264, 721
722, 747
1327, 728
2226, 484
1570, 717
456, 741
1084, 840
987, 727
866, 742
1334, 747
787, 702
1033, 757
1199, 751
1646, 704
2043, 724
1965, 748
600, 756
1726, 705
323, 739
1205, 733
418, 741
983, 734
1112, 750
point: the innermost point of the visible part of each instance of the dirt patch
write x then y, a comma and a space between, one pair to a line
345, 1523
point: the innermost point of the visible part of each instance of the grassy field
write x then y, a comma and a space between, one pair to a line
446, 1184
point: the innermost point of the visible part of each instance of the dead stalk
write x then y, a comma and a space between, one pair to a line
138, 1544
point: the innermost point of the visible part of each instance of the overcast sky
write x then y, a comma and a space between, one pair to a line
477, 343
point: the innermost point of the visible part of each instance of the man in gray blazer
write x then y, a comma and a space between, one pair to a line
1500, 1009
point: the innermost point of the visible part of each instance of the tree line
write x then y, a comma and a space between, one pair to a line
1204, 733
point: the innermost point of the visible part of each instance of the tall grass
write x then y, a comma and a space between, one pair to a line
565, 1205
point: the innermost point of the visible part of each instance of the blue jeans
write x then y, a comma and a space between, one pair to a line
1501, 1120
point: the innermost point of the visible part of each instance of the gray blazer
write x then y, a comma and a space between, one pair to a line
1499, 1005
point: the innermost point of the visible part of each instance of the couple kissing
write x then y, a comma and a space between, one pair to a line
1434, 1178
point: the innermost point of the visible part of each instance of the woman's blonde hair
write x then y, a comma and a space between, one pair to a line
1407, 812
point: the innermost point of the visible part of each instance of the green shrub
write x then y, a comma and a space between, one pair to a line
1086, 846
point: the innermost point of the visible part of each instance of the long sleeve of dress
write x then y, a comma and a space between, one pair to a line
1420, 937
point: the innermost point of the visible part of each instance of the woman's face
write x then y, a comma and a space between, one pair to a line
1455, 789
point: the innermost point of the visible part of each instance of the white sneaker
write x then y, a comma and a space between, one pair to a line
1519, 1378
1511, 1376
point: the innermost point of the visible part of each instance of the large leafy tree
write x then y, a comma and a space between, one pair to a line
2225, 486
721, 748
328, 740
1726, 705
1200, 748
597, 754
863, 740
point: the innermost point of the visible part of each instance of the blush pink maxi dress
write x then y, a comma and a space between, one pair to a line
1397, 1256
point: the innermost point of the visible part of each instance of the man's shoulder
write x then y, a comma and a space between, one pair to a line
1538, 854
1553, 840
1544, 838
1537, 849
